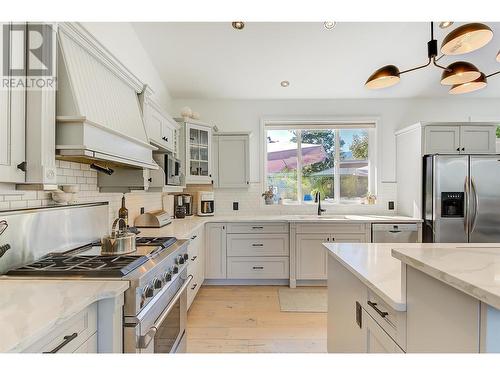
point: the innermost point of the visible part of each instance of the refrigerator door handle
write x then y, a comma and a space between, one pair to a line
476, 205
466, 211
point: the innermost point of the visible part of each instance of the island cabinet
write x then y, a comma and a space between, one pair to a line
443, 319
358, 320
310, 255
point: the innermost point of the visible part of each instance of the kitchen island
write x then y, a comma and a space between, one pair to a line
413, 298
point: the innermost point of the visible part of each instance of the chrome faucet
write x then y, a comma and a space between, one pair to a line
317, 199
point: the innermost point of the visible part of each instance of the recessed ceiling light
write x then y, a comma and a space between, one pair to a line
285, 83
238, 25
498, 56
329, 25
445, 24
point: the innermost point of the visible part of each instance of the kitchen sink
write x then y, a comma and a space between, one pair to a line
322, 217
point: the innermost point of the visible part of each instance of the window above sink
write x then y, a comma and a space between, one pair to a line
333, 158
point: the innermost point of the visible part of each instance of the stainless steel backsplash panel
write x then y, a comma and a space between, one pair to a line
33, 233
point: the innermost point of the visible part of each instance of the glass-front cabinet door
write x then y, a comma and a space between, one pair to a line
198, 154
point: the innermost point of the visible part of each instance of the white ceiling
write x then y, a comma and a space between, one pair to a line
212, 60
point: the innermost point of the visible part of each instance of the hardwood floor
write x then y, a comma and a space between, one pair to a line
247, 319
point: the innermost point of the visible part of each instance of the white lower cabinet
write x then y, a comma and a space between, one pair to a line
376, 339
215, 251
196, 264
71, 336
257, 268
311, 256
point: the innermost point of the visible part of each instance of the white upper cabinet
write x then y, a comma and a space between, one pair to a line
160, 128
442, 139
462, 138
12, 116
198, 153
478, 139
231, 160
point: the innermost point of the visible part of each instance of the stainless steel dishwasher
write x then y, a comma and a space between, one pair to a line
395, 232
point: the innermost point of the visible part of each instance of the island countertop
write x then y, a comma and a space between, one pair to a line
378, 265
473, 269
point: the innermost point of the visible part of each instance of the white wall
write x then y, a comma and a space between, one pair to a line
122, 41
393, 114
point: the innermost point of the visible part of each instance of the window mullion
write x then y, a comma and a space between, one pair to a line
336, 169
299, 166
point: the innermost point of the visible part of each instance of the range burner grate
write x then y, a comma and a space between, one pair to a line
81, 265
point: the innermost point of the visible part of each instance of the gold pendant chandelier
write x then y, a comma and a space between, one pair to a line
462, 76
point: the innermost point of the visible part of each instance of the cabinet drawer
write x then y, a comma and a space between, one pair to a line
331, 228
257, 228
257, 245
377, 340
89, 346
258, 267
81, 326
394, 323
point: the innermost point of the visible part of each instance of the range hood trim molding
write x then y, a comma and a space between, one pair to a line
82, 120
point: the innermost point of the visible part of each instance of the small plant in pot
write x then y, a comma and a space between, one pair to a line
268, 196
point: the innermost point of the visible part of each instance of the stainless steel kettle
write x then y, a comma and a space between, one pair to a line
119, 241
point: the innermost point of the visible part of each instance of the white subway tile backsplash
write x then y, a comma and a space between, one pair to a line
18, 204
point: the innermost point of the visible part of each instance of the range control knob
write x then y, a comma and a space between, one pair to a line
181, 259
147, 292
157, 283
175, 270
167, 276
186, 256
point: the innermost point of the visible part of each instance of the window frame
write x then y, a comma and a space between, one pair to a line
370, 124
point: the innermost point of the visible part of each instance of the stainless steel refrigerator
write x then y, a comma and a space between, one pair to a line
461, 198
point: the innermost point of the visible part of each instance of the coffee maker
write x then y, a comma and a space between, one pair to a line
183, 205
205, 203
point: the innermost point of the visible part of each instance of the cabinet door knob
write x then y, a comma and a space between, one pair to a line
150, 179
458, 149
463, 148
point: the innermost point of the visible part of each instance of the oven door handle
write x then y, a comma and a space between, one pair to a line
145, 340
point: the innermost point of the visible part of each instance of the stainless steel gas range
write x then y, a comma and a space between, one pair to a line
156, 301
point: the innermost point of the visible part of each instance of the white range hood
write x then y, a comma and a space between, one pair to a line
98, 113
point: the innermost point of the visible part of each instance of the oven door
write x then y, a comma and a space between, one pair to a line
162, 328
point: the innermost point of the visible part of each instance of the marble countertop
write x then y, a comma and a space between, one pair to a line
32, 308
182, 228
375, 264
471, 268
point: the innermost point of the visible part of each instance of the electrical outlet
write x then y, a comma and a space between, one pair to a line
235, 206
391, 205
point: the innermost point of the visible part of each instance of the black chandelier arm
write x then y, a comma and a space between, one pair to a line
416, 68
440, 66
439, 58
493, 74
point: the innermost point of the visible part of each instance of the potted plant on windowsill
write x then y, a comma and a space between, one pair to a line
268, 196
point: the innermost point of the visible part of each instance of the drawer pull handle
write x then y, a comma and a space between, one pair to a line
257, 227
194, 237
383, 314
194, 258
258, 267
66, 341
194, 286
257, 244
